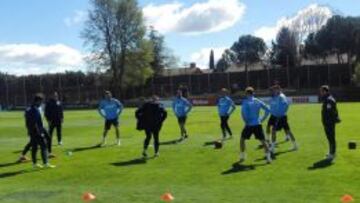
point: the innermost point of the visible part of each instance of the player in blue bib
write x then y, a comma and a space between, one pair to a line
110, 109
181, 107
250, 112
279, 106
226, 107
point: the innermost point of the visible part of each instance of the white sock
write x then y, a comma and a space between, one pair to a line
242, 155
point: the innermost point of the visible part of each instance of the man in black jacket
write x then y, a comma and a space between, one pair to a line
36, 132
330, 117
55, 116
150, 118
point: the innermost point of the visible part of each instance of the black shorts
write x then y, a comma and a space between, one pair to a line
109, 123
256, 130
279, 123
271, 121
182, 120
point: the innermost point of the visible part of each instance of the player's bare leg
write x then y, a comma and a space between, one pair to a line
117, 131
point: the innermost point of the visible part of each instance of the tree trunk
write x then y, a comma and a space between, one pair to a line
113, 82
121, 74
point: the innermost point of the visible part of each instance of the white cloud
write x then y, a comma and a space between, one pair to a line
78, 18
199, 18
202, 57
23, 59
307, 20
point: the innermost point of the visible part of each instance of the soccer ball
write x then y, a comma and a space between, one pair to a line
352, 145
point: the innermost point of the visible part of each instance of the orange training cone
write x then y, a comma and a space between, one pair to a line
87, 197
167, 197
347, 198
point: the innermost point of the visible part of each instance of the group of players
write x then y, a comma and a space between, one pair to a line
152, 114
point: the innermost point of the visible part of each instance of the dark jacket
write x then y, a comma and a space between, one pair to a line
54, 111
33, 121
150, 116
330, 115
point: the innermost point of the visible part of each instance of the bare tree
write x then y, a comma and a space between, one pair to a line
114, 29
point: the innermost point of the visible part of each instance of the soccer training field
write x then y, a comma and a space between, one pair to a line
191, 171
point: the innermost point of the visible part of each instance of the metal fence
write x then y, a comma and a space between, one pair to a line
85, 89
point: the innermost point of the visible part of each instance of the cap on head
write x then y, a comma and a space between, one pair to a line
276, 87
225, 90
249, 90
155, 98
325, 88
39, 97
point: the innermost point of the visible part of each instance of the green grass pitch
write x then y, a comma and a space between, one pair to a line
191, 171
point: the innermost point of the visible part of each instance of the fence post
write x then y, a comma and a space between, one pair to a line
24, 90
7, 90
189, 83
329, 74
308, 76
228, 80
209, 85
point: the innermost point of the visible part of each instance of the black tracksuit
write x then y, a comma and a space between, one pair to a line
54, 114
330, 117
36, 131
225, 125
150, 118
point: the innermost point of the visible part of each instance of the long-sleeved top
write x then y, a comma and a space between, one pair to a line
226, 106
250, 111
54, 111
330, 115
279, 105
110, 109
150, 116
181, 106
33, 120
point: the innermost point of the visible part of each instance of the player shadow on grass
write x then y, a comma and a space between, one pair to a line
9, 164
237, 167
138, 161
211, 143
17, 152
80, 149
11, 174
275, 155
171, 142
324, 163
215, 142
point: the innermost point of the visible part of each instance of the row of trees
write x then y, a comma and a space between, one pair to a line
122, 46
337, 37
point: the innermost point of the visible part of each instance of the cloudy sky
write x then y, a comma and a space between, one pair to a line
40, 36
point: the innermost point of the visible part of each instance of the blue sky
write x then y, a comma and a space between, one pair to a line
51, 29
